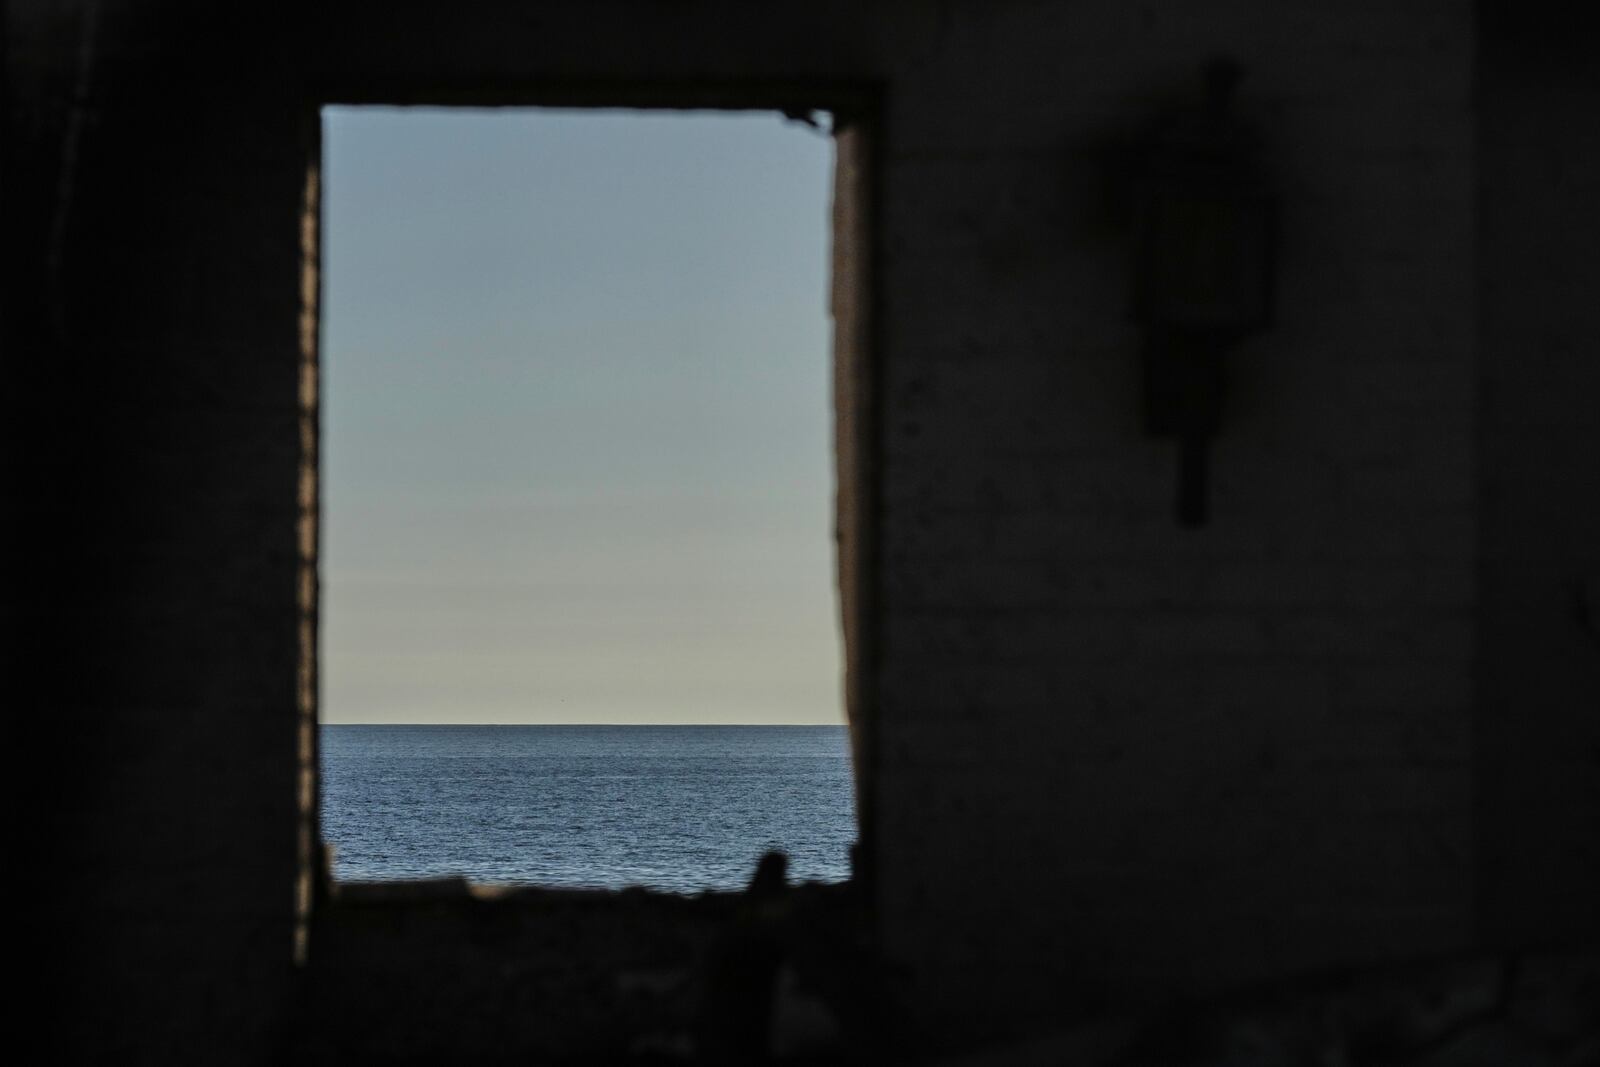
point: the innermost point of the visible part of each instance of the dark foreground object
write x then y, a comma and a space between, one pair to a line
441, 972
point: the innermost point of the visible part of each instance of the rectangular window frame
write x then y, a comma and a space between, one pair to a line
853, 300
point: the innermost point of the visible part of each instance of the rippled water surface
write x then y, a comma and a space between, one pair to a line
678, 807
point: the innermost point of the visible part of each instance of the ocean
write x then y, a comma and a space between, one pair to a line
680, 808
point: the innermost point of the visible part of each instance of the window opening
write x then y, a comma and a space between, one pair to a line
578, 620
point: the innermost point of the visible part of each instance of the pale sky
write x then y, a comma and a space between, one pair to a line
576, 418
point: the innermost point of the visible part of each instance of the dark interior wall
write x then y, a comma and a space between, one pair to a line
1172, 760
1539, 456
154, 180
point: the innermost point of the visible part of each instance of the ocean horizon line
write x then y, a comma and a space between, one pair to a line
648, 725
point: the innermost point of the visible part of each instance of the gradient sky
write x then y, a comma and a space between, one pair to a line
577, 424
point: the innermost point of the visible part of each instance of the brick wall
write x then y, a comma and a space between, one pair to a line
1175, 758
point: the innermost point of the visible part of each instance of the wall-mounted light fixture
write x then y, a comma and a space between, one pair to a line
1204, 267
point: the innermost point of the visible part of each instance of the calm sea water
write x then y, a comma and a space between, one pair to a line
677, 807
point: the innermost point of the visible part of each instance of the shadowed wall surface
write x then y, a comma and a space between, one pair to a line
1107, 760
